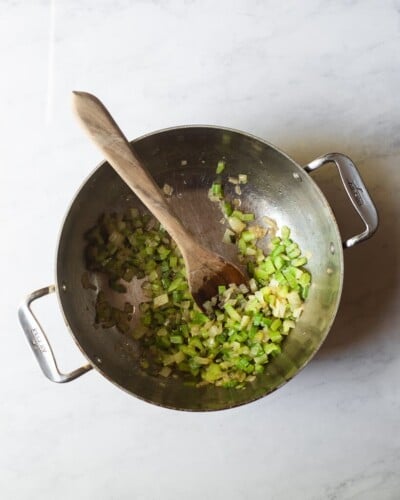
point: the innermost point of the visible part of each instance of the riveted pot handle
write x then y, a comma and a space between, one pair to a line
356, 190
39, 343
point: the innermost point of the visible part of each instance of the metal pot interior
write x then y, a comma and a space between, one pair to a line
186, 159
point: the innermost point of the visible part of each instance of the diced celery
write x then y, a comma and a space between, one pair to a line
276, 324
285, 232
160, 300
176, 339
226, 208
232, 313
299, 262
278, 262
212, 373
248, 217
236, 224
220, 167
230, 341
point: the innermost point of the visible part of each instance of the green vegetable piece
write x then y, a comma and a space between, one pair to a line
212, 373
248, 217
278, 262
285, 232
299, 262
161, 300
248, 236
271, 348
226, 208
232, 313
236, 224
277, 251
276, 324
220, 167
216, 189
176, 339
305, 279
221, 289
244, 325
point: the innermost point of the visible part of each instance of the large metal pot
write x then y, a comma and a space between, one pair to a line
185, 157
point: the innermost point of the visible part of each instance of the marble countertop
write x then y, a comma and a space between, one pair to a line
311, 77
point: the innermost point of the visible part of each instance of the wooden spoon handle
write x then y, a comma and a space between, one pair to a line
106, 134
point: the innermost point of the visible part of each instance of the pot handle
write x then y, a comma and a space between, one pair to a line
38, 341
356, 190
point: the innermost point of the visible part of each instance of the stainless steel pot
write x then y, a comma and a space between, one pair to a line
185, 157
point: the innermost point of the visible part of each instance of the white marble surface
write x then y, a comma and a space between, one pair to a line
311, 77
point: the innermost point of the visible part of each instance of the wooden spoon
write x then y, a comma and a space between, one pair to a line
205, 269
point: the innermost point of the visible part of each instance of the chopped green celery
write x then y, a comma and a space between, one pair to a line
196, 342
173, 261
221, 289
248, 217
229, 237
239, 336
267, 265
253, 305
176, 339
153, 276
278, 262
238, 214
250, 269
280, 277
201, 361
285, 232
289, 273
261, 359
248, 236
305, 279
177, 357
277, 251
161, 300
212, 373
271, 348
250, 251
188, 350
232, 313
244, 321
229, 384
226, 208
288, 324
256, 350
304, 291
261, 275
163, 252
230, 344
236, 224
116, 238
294, 253
177, 283
199, 318
242, 246
275, 324
216, 189
220, 167
177, 296
165, 283
299, 262
242, 363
